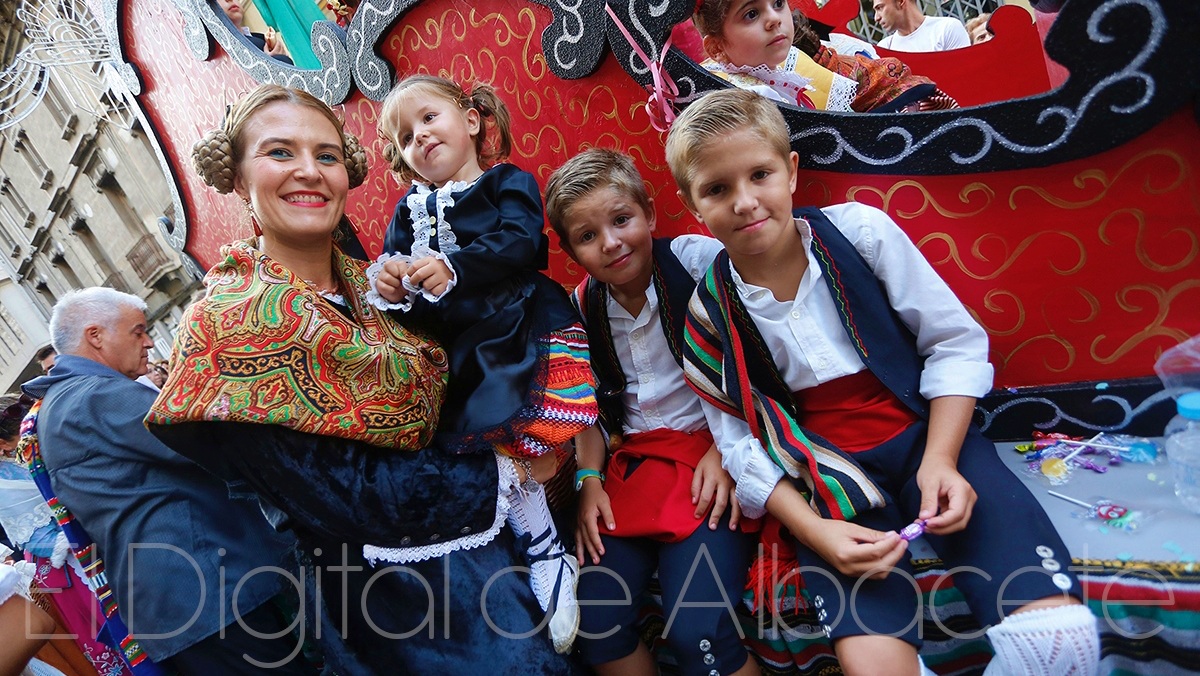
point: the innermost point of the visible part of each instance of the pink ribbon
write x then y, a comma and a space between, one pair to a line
661, 104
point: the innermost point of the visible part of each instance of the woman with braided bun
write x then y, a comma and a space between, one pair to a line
283, 379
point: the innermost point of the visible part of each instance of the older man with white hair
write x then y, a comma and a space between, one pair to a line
177, 547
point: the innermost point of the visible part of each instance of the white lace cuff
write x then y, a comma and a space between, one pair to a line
373, 297
449, 285
508, 482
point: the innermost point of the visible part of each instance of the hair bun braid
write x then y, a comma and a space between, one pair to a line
356, 160
212, 157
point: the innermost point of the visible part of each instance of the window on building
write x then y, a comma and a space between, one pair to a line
36, 164
18, 206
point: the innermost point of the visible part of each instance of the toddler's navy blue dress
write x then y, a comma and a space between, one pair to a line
493, 322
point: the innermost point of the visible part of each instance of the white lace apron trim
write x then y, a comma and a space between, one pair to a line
507, 484
841, 94
777, 85
785, 84
24, 509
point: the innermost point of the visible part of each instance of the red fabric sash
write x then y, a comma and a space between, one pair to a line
855, 412
656, 500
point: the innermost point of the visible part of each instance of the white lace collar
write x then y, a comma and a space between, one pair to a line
782, 79
423, 224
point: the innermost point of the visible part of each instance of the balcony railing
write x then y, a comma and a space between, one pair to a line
148, 259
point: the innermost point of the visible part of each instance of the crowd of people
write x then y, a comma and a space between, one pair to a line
342, 467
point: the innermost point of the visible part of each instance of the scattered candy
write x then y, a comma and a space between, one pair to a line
913, 530
1108, 512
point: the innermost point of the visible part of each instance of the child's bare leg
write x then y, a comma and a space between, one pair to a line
875, 655
1056, 634
637, 663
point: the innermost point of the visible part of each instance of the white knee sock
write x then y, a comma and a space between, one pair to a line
1060, 640
554, 570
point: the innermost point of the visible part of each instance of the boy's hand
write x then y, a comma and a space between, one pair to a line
857, 551
712, 486
594, 506
431, 274
388, 282
946, 498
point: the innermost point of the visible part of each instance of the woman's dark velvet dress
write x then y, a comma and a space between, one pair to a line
501, 305
338, 495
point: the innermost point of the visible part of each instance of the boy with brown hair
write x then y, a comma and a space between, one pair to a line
647, 507
842, 375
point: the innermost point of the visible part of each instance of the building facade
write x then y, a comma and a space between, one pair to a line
82, 195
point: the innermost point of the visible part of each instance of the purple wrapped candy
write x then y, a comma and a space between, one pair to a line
913, 530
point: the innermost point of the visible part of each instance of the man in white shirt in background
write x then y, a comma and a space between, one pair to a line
912, 31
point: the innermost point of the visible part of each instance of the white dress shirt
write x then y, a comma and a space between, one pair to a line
656, 395
810, 347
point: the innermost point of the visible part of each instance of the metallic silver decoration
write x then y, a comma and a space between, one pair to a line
69, 43
23, 83
330, 83
1044, 413
574, 41
197, 38
371, 20
110, 20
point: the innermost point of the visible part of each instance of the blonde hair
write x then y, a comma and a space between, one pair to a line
481, 98
714, 116
216, 155
588, 171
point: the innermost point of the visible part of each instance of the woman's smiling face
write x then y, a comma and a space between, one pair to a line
292, 172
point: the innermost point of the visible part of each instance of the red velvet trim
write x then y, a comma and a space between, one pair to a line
855, 412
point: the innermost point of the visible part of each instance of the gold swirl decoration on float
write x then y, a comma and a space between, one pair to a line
994, 302
412, 38
927, 200
1035, 343
1188, 257
1007, 260
531, 48
1163, 298
1083, 178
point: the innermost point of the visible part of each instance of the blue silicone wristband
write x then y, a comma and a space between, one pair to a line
582, 474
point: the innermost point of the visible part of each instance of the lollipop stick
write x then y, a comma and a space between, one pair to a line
1068, 498
1108, 447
